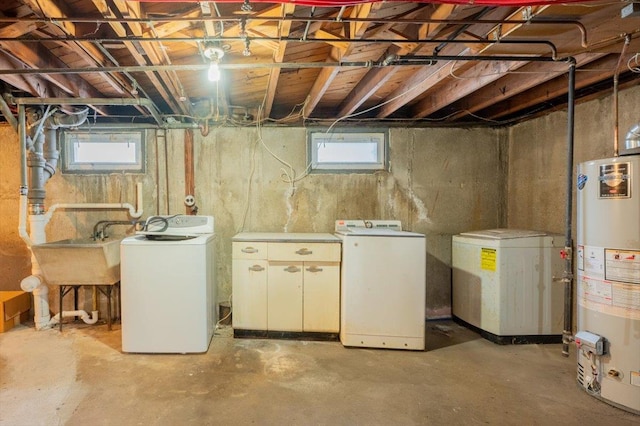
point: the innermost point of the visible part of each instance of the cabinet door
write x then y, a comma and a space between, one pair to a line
249, 294
321, 296
284, 312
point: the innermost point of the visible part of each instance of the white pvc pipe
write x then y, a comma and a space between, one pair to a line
79, 313
135, 212
35, 284
22, 221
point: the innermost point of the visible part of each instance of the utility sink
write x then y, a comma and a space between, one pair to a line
79, 261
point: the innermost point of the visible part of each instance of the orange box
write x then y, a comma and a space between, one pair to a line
14, 309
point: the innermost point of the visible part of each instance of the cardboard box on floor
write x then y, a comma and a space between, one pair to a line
14, 309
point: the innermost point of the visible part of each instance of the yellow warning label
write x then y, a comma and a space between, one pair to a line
488, 259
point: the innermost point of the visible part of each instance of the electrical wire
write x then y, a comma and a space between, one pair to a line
635, 58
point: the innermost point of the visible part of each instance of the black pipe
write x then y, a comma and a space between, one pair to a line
221, 39
402, 61
459, 31
567, 279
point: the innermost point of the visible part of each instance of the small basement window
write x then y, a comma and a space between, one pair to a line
102, 151
348, 151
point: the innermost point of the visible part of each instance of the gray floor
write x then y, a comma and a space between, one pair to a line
81, 377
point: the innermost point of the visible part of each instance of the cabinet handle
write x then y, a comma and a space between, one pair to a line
314, 269
292, 269
256, 268
304, 251
249, 250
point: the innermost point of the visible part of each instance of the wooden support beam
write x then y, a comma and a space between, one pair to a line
278, 56
327, 75
513, 84
377, 77
594, 72
464, 83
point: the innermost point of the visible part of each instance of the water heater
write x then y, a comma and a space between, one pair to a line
608, 280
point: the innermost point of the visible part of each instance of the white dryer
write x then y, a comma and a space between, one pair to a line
168, 286
382, 300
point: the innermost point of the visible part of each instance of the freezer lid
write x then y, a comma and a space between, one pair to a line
503, 234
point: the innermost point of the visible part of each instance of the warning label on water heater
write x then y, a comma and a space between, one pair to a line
614, 181
488, 259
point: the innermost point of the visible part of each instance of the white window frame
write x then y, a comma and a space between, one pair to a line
70, 139
350, 136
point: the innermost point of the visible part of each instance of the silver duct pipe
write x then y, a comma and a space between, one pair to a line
632, 141
616, 130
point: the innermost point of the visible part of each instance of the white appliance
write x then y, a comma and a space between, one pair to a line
503, 284
382, 296
608, 280
168, 286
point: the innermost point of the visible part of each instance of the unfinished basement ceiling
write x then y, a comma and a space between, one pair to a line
392, 62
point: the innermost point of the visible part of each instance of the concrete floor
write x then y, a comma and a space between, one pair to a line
80, 377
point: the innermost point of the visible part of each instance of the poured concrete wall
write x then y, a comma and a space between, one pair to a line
441, 182
15, 262
538, 158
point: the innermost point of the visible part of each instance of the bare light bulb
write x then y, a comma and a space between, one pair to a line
214, 71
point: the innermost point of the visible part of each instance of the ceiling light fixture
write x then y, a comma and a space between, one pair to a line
214, 54
134, 89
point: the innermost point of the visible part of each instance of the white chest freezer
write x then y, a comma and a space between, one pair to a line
503, 284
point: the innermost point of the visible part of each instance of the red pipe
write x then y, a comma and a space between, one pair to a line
339, 3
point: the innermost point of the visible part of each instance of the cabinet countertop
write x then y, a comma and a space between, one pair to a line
286, 237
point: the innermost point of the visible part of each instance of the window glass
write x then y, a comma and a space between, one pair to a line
348, 151
103, 151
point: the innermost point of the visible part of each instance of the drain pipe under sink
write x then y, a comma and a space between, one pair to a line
80, 313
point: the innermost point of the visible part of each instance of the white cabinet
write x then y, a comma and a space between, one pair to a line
250, 294
321, 297
284, 296
297, 291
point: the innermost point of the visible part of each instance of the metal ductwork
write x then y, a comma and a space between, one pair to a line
632, 141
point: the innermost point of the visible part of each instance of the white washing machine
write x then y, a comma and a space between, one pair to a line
503, 284
168, 286
382, 295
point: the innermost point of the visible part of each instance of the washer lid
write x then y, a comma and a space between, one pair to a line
377, 232
503, 234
